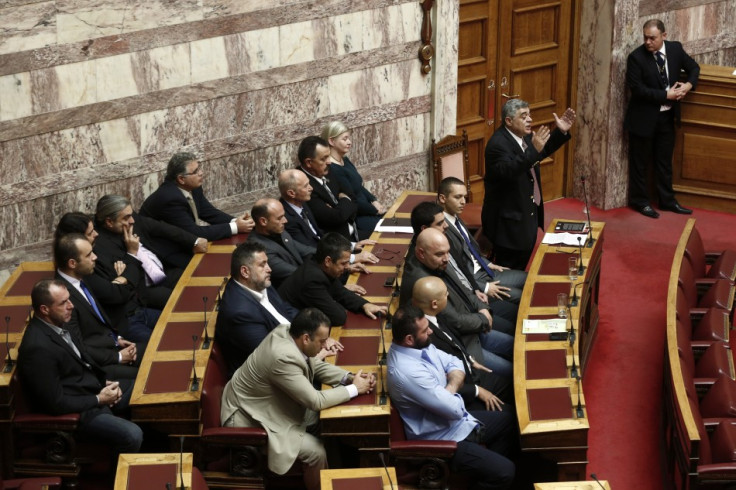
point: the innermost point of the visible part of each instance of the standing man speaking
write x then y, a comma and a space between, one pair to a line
653, 73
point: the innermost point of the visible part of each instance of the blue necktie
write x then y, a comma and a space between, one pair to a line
472, 249
92, 301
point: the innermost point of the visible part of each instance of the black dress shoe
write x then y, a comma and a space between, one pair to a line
676, 208
648, 211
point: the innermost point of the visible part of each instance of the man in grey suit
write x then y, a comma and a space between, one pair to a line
274, 389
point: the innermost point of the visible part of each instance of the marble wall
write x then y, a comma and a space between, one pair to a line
95, 96
610, 30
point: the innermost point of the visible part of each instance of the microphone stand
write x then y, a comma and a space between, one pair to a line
206, 338
195, 379
385, 467
579, 413
587, 211
382, 397
592, 475
9, 362
382, 361
581, 267
181, 462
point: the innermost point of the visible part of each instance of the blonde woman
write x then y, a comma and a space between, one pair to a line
370, 210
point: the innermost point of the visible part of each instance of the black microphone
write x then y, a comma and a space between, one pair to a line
168, 485
397, 289
206, 338
581, 267
383, 462
587, 211
579, 413
9, 361
571, 337
383, 396
592, 475
382, 361
181, 462
195, 379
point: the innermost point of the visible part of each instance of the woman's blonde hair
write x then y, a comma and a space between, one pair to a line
332, 130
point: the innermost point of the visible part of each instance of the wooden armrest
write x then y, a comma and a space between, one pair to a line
43, 422
717, 471
712, 255
433, 449
247, 436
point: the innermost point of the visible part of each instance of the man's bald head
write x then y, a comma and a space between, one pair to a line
430, 295
268, 215
294, 186
433, 249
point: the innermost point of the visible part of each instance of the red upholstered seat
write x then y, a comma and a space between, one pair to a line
705, 324
717, 293
714, 265
31, 483
720, 401
723, 443
715, 361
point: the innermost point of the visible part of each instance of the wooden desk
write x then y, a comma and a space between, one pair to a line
573, 485
547, 397
147, 471
358, 479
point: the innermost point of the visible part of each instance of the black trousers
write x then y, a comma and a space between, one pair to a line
511, 258
656, 150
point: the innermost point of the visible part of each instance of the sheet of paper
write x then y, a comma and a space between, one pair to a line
393, 229
550, 325
564, 239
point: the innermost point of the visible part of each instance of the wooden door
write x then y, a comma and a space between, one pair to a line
515, 48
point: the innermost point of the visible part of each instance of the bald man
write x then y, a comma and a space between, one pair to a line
482, 389
295, 191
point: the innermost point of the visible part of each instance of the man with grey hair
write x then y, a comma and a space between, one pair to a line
155, 253
513, 208
180, 201
295, 191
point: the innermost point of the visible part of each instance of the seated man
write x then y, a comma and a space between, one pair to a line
274, 389
483, 389
468, 314
59, 376
295, 191
499, 283
317, 283
156, 251
180, 201
424, 382
118, 357
250, 307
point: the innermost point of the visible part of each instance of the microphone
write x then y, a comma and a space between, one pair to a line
206, 338
195, 380
9, 362
219, 294
382, 397
579, 409
168, 485
388, 475
581, 267
181, 462
587, 211
382, 361
572, 329
592, 475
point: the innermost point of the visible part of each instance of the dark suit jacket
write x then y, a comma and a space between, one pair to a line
310, 286
168, 204
461, 253
282, 259
54, 378
330, 216
98, 337
509, 216
648, 93
242, 322
298, 228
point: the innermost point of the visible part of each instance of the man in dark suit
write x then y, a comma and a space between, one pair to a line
653, 73
250, 307
118, 357
156, 251
59, 377
332, 206
497, 282
295, 191
284, 253
180, 201
513, 207
317, 283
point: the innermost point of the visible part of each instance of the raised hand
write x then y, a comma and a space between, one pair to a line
565, 122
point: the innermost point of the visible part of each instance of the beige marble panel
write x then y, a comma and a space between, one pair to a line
45, 95
120, 139
88, 19
209, 59
222, 8
338, 35
15, 96
445, 23
77, 84
375, 28
162, 68
296, 43
346, 91
115, 77
27, 27
170, 130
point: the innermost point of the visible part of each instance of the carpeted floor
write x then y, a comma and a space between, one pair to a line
623, 383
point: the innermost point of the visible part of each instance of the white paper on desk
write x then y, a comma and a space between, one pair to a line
564, 239
549, 325
393, 229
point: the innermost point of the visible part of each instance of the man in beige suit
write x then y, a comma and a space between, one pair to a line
274, 389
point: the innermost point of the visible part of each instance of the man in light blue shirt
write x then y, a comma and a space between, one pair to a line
423, 383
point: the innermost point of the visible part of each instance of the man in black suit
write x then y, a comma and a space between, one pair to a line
59, 377
653, 73
118, 357
316, 283
513, 207
157, 251
295, 191
180, 201
250, 307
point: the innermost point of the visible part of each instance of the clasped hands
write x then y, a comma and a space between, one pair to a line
678, 90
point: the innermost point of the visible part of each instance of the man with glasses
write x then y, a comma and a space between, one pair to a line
180, 201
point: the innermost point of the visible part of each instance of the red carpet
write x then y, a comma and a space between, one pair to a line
623, 384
